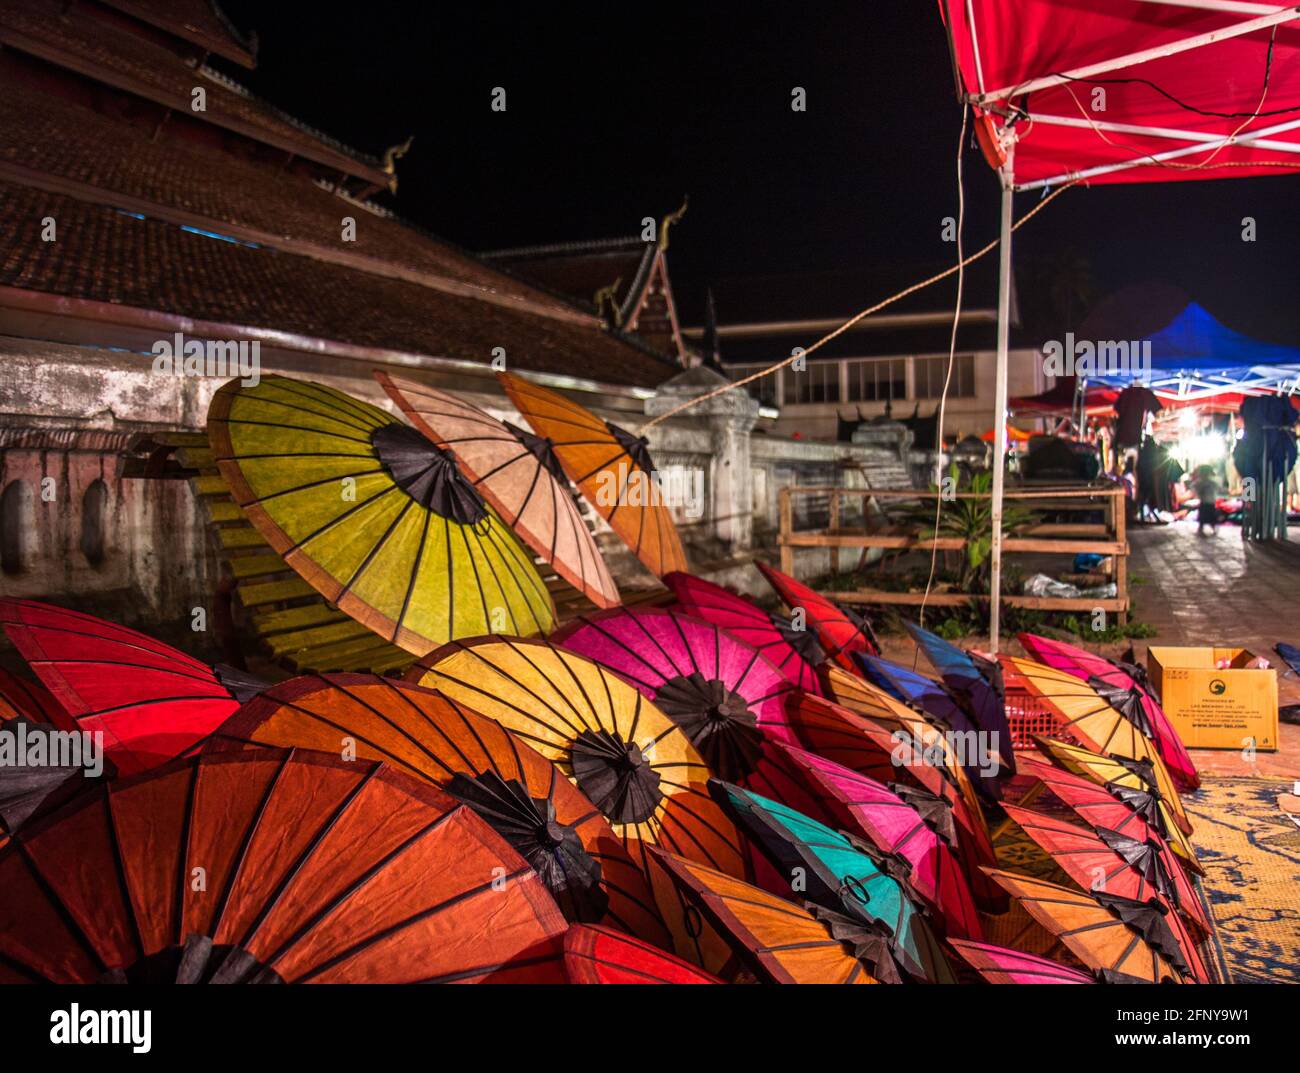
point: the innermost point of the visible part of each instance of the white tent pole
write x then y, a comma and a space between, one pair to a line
1000, 401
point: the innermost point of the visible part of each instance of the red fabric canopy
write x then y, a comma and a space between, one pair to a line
1004, 47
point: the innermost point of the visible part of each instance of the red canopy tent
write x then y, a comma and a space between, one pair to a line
1115, 91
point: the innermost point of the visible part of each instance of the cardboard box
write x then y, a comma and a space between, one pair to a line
1214, 708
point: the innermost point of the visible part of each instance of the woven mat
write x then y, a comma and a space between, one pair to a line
1250, 850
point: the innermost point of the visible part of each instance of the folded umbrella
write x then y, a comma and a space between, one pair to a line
888, 817
1103, 863
840, 630
373, 515
272, 866
1106, 933
840, 875
1124, 687
1135, 813
774, 940
885, 751
151, 702
1133, 782
1000, 965
722, 692
611, 467
597, 955
630, 760
975, 682
521, 794
795, 653
517, 473
979, 755
1083, 715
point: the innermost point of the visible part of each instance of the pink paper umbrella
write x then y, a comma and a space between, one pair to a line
795, 653
1123, 687
891, 820
722, 692
998, 965
726, 696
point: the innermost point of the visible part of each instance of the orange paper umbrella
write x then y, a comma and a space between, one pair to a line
1109, 934
595, 955
633, 762
611, 467
1084, 716
272, 865
518, 474
520, 793
373, 515
776, 940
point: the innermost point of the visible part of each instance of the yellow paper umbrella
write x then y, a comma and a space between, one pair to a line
1083, 714
373, 515
518, 474
633, 762
610, 466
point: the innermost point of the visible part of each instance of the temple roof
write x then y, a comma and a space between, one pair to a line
96, 46
201, 22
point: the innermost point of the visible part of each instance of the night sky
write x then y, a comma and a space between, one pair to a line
615, 111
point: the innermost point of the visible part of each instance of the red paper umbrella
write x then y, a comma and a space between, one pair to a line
998, 965
596, 955
841, 631
892, 820
863, 745
1113, 865
150, 701
1128, 811
28, 698
722, 692
1124, 687
272, 865
795, 653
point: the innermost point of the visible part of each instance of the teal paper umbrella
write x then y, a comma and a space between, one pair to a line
861, 893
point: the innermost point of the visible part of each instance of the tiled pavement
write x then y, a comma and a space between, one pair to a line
1222, 590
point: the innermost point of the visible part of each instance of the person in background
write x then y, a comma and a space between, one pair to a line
1206, 486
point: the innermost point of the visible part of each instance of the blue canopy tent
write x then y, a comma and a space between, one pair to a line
1194, 357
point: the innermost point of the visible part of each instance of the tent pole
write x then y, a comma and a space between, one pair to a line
1000, 405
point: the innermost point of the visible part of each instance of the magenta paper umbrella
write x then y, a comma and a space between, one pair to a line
893, 819
1124, 688
998, 965
722, 692
795, 653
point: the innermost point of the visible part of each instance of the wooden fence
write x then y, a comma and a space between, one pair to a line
1106, 538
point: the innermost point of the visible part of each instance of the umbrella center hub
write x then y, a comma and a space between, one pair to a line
553, 849
637, 447
428, 474
616, 776
718, 722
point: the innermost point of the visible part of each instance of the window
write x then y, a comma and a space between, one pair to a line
94, 512
16, 523
763, 389
930, 374
877, 380
819, 382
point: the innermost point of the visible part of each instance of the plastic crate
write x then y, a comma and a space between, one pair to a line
1028, 716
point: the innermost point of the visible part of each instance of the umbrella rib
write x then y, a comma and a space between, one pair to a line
415, 574
364, 565
582, 717
310, 484
57, 904
332, 415
159, 649
499, 544
119, 872
478, 579
247, 422
527, 713
336, 399
339, 519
